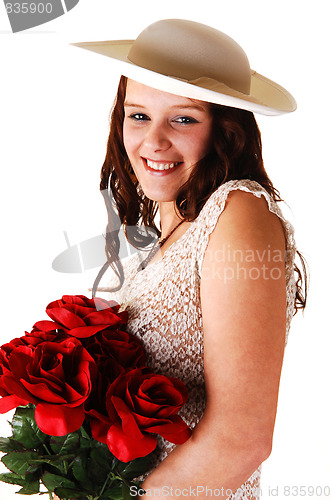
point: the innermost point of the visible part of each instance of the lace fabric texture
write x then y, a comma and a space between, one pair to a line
163, 302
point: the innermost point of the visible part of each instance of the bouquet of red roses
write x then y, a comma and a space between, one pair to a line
87, 408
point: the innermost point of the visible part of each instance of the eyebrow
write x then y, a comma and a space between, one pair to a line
176, 106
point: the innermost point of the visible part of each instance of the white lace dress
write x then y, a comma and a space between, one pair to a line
163, 302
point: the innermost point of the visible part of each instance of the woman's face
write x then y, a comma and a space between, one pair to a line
164, 136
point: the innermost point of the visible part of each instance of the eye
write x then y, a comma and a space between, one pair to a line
185, 120
139, 117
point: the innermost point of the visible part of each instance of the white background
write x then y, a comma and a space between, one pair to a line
54, 106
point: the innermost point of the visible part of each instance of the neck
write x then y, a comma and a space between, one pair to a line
169, 217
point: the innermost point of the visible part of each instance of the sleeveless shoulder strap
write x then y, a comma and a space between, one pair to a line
213, 208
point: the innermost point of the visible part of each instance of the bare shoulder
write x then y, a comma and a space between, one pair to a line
246, 250
248, 220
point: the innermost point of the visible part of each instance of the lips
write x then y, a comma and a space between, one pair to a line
160, 167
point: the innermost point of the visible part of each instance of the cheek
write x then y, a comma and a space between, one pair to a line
200, 144
126, 138
206, 141
131, 141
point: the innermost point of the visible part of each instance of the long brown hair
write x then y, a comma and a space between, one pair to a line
236, 153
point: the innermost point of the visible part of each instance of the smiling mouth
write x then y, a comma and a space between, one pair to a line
161, 166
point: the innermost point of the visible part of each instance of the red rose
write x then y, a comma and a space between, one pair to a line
57, 377
114, 351
46, 326
37, 336
44, 331
141, 404
8, 400
82, 317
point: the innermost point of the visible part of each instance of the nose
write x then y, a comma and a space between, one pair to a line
157, 137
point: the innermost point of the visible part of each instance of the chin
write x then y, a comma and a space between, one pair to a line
158, 196
160, 199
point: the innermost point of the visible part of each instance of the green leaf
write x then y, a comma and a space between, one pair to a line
126, 493
9, 444
70, 493
84, 433
71, 443
25, 429
65, 444
56, 443
56, 461
102, 456
12, 478
31, 486
52, 481
96, 474
85, 443
30, 483
79, 468
134, 468
113, 494
21, 462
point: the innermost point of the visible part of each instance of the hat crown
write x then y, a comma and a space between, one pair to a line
188, 50
193, 60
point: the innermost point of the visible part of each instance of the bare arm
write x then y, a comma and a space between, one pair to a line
243, 300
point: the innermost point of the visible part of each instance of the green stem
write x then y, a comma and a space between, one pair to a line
105, 483
65, 466
46, 449
122, 478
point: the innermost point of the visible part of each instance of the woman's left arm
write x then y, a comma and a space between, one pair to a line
243, 299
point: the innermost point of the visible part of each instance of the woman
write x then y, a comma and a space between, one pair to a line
213, 302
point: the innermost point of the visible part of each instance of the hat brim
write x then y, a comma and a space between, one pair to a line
266, 97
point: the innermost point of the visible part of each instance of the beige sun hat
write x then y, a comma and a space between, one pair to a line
194, 60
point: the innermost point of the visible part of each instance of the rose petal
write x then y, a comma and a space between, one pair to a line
79, 310
75, 299
148, 422
73, 397
100, 304
128, 422
128, 447
55, 374
176, 432
163, 390
19, 359
104, 317
66, 318
85, 331
52, 382
43, 392
99, 425
59, 420
82, 382
45, 326
8, 403
146, 407
14, 387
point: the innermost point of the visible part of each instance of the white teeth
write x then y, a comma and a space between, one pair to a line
160, 166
